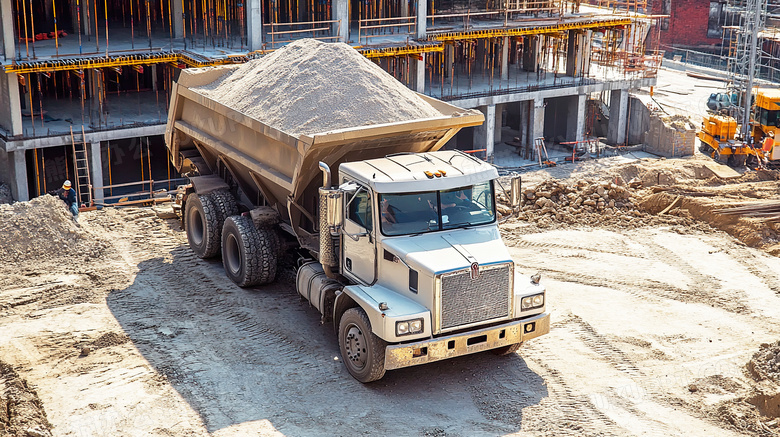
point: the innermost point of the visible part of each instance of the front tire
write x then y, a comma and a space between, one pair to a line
362, 351
248, 253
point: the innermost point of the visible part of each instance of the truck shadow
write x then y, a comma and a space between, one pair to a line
243, 355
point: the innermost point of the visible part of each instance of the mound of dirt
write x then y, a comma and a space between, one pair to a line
43, 229
110, 339
765, 363
21, 411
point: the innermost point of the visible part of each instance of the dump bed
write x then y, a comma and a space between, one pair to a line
283, 168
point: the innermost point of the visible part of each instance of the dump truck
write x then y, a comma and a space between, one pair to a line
398, 241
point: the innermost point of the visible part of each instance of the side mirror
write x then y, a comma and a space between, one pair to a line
515, 191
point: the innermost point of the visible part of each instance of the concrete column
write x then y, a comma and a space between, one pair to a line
7, 29
178, 18
536, 127
419, 80
449, 60
422, 19
341, 12
96, 92
618, 116
575, 118
531, 49
19, 187
154, 77
587, 43
573, 54
11, 116
524, 120
96, 171
490, 131
505, 59
254, 24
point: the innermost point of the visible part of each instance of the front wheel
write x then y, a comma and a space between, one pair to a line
362, 351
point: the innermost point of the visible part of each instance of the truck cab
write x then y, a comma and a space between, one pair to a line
423, 260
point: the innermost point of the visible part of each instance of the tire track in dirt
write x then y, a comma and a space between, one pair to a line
749, 259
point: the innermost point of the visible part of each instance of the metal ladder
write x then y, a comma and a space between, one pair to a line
83, 183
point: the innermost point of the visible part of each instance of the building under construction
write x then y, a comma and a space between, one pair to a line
85, 84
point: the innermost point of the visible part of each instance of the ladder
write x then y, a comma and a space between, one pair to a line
82, 182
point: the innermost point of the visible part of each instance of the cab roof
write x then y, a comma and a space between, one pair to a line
404, 173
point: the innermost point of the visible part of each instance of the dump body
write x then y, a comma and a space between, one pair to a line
280, 168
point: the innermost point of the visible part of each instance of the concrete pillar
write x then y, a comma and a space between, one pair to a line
97, 95
254, 24
573, 54
11, 116
587, 43
449, 60
499, 120
490, 131
536, 126
531, 55
96, 171
575, 118
524, 120
422, 19
154, 77
505, 59
178, 18
341, 12
7, 29
618, 117
19, 185
420, 74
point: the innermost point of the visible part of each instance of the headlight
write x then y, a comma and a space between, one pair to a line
407, 327
531, 302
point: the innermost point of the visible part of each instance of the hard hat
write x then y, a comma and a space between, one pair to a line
66, 185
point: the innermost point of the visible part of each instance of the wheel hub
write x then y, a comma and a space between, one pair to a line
355, 346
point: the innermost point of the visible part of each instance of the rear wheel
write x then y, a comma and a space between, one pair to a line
225, 203
362, 351
248, 253
507, 350
203, 225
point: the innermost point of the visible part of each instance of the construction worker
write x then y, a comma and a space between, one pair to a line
68, 195
769, 142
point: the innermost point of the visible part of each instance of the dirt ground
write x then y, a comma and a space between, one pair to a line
662, 324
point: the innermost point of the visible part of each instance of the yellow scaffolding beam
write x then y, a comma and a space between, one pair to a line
385, 52
536, 30
112, 61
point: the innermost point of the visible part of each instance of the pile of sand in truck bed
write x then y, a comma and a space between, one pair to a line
43, 228
309, 86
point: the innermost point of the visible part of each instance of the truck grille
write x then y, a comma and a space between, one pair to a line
465, 300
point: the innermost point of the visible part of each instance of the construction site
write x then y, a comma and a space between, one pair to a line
265, 244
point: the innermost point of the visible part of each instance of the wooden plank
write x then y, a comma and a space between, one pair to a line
722, 171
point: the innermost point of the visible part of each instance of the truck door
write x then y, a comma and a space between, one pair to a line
359, 252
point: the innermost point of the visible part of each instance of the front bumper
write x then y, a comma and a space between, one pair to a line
435, 349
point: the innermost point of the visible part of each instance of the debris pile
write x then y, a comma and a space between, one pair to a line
43, 228
309, 86
765, 364
5, 194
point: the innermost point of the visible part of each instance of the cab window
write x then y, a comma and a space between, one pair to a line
359, 209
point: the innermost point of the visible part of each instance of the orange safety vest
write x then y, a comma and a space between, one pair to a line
768, 143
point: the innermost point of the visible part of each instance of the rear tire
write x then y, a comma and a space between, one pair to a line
362, 351
507, 350
202, 225
248, 253
225, 203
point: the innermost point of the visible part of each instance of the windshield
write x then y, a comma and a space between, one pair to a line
414, 213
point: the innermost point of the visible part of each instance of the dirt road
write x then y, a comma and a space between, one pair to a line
652, 329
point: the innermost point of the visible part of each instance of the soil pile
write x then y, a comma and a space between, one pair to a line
21, 412
309, 86
43, 229
765, 364
110, 339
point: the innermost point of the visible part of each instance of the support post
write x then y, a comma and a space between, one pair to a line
618, 117
575, 118
11, 117
254, 24
96, 176
422, 19
7, 28
531, 54
420, 74
490, 132
21, 192
178, 18
341, 13
536, 127
505, 59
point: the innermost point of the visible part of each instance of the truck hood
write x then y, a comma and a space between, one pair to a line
440, 252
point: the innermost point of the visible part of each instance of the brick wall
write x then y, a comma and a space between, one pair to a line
687, 24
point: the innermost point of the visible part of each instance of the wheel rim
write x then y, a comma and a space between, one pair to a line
232, 254
355, 345
197, 228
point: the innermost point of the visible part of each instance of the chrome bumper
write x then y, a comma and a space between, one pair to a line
427, 351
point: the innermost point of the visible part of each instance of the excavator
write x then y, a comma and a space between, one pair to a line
720, 138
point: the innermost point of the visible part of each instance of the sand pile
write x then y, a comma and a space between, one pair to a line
43, 229
765, 363
310, 86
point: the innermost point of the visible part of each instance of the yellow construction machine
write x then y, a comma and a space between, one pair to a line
721, 140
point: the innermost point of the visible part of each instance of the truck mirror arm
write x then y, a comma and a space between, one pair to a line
355, 237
